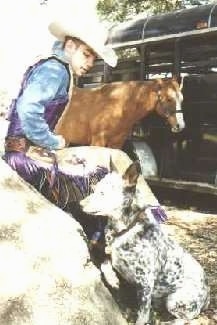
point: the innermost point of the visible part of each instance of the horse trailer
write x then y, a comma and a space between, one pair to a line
181, 44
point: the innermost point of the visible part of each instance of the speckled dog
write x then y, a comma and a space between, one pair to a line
143, 254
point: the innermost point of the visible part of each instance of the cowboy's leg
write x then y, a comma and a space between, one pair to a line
101, 156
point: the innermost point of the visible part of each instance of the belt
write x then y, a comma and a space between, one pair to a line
16, 144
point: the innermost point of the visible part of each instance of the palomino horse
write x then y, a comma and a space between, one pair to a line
105, 116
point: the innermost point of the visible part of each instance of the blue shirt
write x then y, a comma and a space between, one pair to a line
47, 82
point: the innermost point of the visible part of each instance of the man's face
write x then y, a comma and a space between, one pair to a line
81, 57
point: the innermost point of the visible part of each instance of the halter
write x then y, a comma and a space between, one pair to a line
167, 112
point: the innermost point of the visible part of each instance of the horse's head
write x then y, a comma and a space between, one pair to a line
169, 103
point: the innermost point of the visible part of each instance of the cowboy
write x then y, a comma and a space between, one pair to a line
40, 102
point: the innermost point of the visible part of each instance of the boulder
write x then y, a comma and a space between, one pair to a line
46, 275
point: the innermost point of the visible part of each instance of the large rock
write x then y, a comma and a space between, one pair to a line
46, 275
3, 132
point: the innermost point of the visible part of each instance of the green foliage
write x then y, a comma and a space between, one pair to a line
120, 10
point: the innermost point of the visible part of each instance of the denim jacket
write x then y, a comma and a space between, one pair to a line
48, 82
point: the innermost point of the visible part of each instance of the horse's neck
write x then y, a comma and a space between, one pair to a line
146, 99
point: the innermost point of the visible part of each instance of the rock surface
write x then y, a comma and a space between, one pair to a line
46, 276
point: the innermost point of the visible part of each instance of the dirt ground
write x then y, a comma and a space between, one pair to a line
197, 233
192, 222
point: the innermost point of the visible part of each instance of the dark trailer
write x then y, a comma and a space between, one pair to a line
183, 44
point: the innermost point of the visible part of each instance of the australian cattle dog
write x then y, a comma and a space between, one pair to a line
141, 252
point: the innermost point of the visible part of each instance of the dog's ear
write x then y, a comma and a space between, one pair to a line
112, 166
132, 173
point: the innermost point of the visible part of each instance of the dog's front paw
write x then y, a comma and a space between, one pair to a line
110, 275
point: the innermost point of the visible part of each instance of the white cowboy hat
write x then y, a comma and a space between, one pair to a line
90, 32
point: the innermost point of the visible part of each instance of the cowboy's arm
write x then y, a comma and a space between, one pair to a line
46, 83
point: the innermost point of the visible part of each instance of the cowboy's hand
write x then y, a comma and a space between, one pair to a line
62, 142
